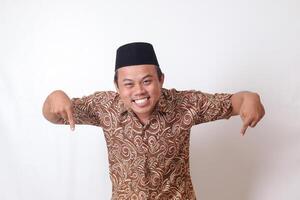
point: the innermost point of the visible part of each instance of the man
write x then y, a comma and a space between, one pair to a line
146, 127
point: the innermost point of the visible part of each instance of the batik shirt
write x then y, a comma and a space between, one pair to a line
151, 161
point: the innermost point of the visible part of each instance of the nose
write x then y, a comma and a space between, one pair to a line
140, 90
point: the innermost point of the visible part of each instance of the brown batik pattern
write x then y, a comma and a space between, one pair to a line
151, 161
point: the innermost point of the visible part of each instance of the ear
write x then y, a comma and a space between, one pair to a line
162, 78
116, 86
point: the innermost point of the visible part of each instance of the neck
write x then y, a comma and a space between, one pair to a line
144, 118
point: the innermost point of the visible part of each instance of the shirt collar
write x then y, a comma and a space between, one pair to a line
164, 104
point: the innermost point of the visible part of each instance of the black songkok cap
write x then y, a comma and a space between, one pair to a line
136, 53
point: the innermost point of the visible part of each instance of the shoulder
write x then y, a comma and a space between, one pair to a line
179, 95
106, 98
98, 97
104, 95
173, 99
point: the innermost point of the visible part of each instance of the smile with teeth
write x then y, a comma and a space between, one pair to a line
141, 102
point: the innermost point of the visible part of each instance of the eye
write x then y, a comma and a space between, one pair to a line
147, 82
128, 84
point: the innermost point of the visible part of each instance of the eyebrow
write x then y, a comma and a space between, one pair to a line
147, 76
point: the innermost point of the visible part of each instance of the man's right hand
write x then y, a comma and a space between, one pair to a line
57, 107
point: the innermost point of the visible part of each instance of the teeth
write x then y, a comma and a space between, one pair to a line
141, 101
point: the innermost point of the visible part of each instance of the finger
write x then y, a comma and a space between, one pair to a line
253, 124
243, 130
246, 123
71, 119
63, 114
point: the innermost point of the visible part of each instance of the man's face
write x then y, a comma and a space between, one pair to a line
139, 88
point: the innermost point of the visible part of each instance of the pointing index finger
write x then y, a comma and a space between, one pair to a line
71, 119
246, 123
243, 130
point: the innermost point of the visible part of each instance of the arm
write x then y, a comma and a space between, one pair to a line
249, 107
57, 107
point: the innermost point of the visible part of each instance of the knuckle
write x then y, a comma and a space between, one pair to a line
52, 111
61, 110
55, 111
68, 107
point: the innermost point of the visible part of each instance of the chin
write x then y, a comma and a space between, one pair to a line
142, 110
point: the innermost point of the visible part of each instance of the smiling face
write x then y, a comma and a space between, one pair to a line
140, 89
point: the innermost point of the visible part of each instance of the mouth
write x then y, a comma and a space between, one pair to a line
141, 102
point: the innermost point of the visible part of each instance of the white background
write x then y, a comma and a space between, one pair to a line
212, 45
